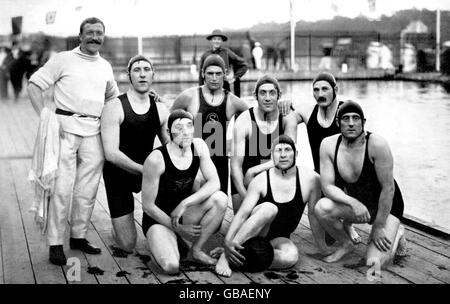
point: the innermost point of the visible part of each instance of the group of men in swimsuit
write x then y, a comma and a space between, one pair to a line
185, 179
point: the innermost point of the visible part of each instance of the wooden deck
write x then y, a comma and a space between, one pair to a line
24, 254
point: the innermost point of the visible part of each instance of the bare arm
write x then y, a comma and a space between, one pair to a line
237, 158
211, 185
209, 172
383, 161
163, 113
253, 194
153, 169
238, 104
112, 117
36, 96
290, 126
184, 101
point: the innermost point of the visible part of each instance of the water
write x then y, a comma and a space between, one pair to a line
415, 120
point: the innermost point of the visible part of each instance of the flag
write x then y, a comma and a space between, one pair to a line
78, 8
334, 7
372, 6
50, 17
16, 23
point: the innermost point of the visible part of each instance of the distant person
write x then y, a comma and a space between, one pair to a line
282, 49
320, 121
247, 54
212, 107
230, 58
325, 61
272, 209
173, 213
257, 53
6, 59
83, 81
271, 57
359, 187
129, 126
19, 68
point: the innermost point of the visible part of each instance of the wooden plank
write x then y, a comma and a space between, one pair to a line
142, 252
131, 266
431, 243
357, 274
85, 277
26, 123
2, 279
16, 259
17, 143
198, 276
45, 272
419, 261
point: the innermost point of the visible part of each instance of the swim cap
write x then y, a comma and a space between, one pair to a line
215, 60
138, 58
267, 79
176, 114
349, 106
326, 76
285, 139
258, 253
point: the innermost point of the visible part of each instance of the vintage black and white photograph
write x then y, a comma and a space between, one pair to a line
209, 144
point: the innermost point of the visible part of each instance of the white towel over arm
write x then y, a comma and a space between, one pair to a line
44, 166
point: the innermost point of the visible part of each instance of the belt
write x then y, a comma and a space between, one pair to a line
68, 113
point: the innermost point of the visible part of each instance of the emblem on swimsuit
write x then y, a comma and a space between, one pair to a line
212, 118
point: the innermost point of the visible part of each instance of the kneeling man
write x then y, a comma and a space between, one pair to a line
356, 172
272, 209
172, 213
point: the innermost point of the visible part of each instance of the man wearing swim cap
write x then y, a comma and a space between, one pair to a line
173, 213
129, 126
253, 134
320, 121
272, 208
213, 107
233, 62
357, 179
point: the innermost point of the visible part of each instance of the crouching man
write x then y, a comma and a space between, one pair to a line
356, 172
173, 214
272, 209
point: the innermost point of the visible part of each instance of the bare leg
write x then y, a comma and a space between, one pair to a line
163, 245
317, 231
258, 223
124, 232
329, 214
237, 201
394, 234
354, 236
285, 253
209, 215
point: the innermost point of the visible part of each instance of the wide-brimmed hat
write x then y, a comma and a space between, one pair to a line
217, 33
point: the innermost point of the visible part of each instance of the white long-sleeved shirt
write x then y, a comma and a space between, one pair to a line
82, 85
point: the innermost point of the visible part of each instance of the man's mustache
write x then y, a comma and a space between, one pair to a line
94, 41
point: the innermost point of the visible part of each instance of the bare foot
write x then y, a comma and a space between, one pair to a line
203, 258
339, 253
216, 252
222, 267
351, 231
402, 247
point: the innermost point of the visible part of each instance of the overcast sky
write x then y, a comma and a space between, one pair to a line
168, 17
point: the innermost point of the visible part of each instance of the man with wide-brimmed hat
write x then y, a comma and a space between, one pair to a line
239, 66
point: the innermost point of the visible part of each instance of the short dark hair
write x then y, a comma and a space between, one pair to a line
91, 20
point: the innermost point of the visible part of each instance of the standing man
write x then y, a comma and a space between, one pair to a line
230, 58
213, 107
272, 208
173, 213
357, 180
129, 125
83, 81
254, 132
320, 120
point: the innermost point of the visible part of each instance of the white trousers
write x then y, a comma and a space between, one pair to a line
80, 168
